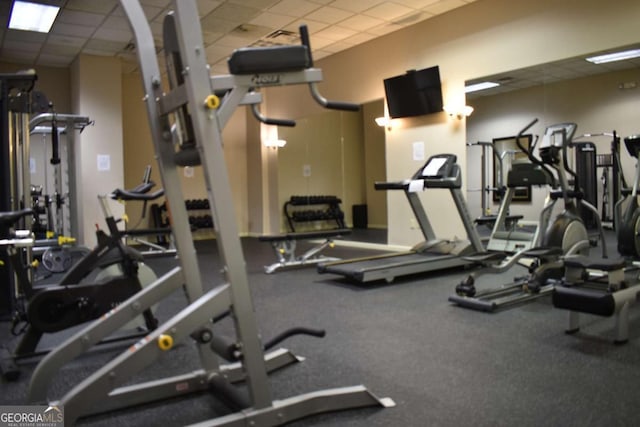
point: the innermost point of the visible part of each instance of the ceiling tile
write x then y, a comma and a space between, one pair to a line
293, 7
388, 11
272, 20
258, 4
105, 45
21, 45
151, 12
216, 53
337, 47
113, 35
232, 42
360, 38
384, 29
444, 6
206, 6
63, 29
335, 33
80, 18
313, 26
25, 36
102, 6
416, 4
57, 49
330, 15
156, 3
66, 40
236, 13
55, 60
18, 56
214, 24
210, 37
361, 22
116, 23
355, 5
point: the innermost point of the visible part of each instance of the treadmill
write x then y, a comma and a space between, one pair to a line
439, 172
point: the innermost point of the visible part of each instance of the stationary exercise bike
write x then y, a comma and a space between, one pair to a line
566, 234
111, 273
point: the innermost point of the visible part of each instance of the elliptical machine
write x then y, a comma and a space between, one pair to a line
626, 210
109, 274
566, 234
607, 288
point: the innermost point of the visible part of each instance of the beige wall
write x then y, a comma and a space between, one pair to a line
483, 38
374, 164
96, 89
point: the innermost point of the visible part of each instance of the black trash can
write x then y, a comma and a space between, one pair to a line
359, 214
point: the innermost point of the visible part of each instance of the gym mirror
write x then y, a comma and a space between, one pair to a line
600, 98
337, 154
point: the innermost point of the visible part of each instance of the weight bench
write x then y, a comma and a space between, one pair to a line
612, 300
284, 245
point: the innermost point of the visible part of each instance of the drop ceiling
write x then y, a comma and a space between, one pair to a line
100, 28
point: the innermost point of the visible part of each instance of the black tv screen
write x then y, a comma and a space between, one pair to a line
414, 93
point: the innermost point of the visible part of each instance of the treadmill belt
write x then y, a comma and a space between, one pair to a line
389, 267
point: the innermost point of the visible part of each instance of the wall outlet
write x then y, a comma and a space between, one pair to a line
306, 171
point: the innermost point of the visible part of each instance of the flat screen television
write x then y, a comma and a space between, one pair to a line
415, 93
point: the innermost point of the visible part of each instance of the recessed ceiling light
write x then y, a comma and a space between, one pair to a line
480, 86
615, 56
32, 16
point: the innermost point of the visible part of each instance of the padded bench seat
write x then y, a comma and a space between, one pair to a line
305, 235
272, 59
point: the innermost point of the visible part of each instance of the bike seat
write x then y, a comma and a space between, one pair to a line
9, 218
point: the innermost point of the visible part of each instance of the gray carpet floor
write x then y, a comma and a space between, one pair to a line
441, 364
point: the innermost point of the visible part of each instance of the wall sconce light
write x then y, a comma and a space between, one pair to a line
459, 111
384, 121
275, 143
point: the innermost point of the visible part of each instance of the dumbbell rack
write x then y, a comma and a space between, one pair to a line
331, 213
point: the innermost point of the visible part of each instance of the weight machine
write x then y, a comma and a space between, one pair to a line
201, 115
15, 103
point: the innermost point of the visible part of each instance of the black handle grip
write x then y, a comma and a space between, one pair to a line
346, 106
55, 143
279, 122
319, 333
270, 121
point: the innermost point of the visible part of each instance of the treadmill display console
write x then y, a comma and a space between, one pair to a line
439, 166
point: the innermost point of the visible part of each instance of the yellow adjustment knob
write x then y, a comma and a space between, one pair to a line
50, 234
332, 245
125, 218
212, 102
165, 342
1, 263
35, 263
281, 251
63, 240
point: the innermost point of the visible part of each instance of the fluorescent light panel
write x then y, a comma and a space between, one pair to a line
480, 86
32, 16
616, 56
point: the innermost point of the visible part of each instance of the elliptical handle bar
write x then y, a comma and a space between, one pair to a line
334, 105
527, 127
